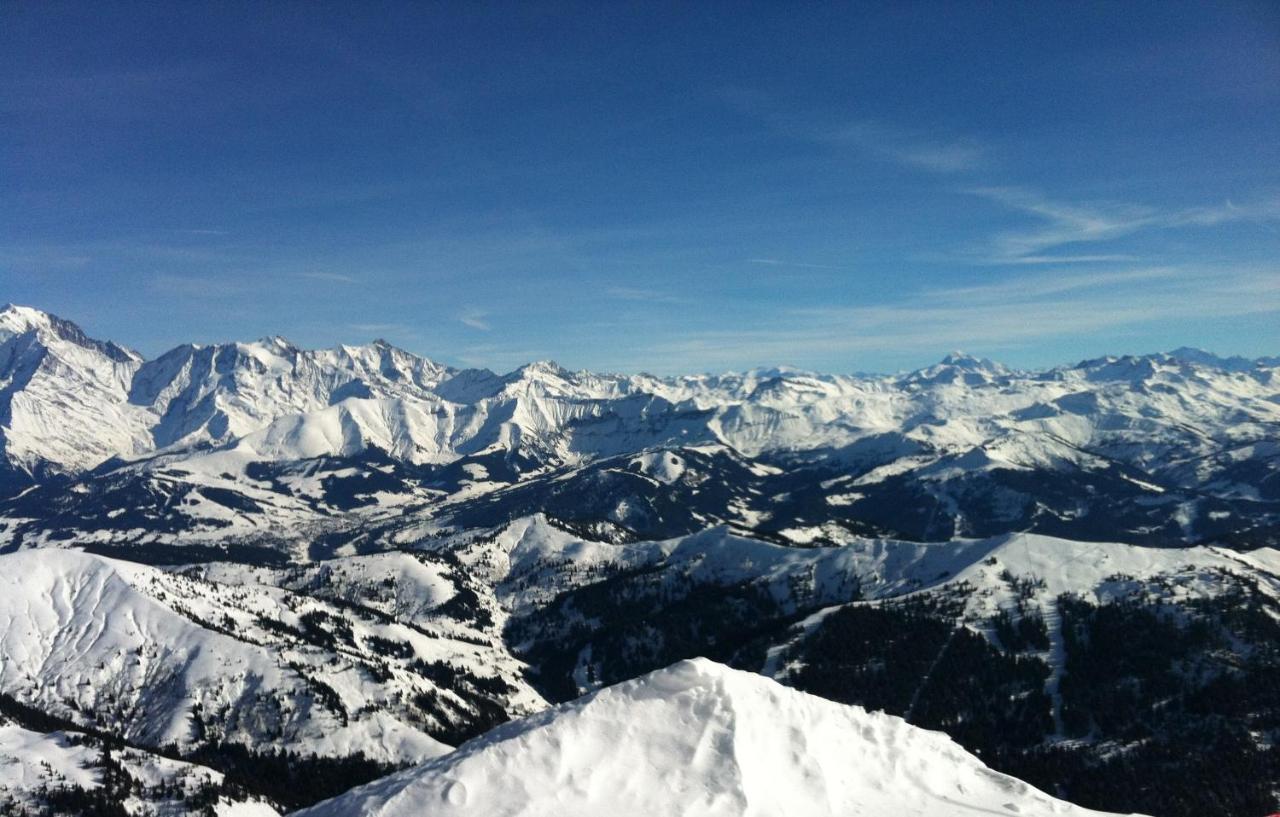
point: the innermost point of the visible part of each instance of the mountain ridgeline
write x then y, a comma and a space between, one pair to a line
284, 449
241, 579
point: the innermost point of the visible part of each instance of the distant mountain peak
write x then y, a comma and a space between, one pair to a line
278, 342
540, 369
964, 360
1234, 363
19, 320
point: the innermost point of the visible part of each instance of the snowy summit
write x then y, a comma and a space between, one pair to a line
701, 740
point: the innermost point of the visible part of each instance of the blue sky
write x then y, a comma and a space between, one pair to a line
649, 187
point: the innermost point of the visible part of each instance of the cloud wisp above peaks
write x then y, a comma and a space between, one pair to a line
1023, 311
869, 137
328, 277
476, 319
643, 295
1064, 225
778, 262
905, 148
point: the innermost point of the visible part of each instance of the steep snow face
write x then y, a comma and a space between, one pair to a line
703, 740
19, 320
217, 393
62, 395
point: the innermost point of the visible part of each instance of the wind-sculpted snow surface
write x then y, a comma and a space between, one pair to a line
702, 740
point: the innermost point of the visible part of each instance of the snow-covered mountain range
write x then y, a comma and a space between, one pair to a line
267, 444
374, 661
240, 579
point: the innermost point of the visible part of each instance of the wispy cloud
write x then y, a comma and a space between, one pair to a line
379, 330
1096, 258
910, 147
907, 148
43, 259
642, 295
1227, 211
778, 262
329, 277
1005, 314
1064, 225
1061, 224
199, 286
476, 319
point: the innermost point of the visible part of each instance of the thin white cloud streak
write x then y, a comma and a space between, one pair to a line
872, 138
643, 295
43, 259
475, 319
328, 277
777, 262
1068, 224
1064, 224
1033, 260
379, 328
1001, 315
932, 155
1227, 212
1038, 286
199, 286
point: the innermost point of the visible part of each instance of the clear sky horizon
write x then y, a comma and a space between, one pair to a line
658, 187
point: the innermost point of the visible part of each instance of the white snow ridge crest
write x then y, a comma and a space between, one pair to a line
701, 740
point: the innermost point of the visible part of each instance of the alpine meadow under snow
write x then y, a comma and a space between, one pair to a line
245, 579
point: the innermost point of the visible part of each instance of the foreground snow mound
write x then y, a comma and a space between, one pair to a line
700, 739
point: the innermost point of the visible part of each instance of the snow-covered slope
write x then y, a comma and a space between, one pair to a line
703, 740
37, 767
161, 658
63, 397
553, 582
394, 653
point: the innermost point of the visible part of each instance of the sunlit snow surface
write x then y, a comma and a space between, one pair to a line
701, 740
